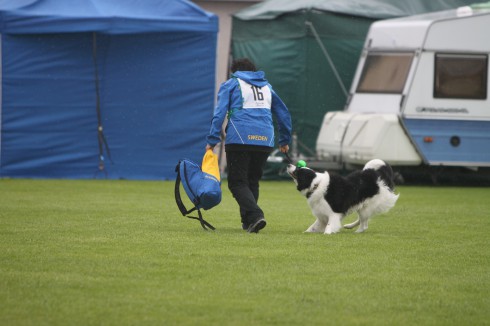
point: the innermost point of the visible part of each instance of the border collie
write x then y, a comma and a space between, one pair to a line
332, 197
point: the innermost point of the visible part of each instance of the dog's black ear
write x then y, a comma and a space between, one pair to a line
305, 178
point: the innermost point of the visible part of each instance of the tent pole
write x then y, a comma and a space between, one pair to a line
100, 130
329, 59
1, 102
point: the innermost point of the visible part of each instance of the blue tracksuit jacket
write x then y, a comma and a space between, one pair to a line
249, 102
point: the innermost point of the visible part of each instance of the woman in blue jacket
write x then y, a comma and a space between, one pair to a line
249, 102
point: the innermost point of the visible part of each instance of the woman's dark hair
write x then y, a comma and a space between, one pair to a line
242, 64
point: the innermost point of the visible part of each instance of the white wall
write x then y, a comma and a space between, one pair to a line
223, 9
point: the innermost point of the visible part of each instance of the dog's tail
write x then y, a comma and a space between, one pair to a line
353, 224
384, 170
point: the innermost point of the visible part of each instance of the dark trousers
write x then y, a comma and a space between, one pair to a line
244, 172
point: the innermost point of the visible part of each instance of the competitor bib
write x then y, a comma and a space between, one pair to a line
255, 97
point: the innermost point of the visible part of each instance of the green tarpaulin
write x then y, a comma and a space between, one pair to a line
309, 49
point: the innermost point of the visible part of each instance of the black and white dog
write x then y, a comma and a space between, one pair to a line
332, 197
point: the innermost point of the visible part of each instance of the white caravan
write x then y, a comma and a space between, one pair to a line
420, 94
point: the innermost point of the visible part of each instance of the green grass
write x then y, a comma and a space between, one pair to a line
120, 253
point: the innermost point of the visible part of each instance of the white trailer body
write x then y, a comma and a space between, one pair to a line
420, 94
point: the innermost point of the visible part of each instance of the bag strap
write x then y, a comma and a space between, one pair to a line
205, 225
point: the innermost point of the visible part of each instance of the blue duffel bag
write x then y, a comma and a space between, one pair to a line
201, 184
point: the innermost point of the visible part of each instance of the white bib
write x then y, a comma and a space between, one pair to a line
255, 97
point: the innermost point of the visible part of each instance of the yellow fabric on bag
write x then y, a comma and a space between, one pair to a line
210, 164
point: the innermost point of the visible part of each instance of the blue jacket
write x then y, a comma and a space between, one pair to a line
249, 102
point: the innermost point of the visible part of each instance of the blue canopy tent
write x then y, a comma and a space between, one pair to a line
101, 88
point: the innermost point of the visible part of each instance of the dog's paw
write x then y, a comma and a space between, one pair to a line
331, 230
317, 227
314, 230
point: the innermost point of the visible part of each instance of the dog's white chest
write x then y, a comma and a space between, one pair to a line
319, 206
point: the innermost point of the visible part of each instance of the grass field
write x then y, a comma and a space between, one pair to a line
120, 253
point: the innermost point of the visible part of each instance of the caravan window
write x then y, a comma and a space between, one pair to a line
385, 72
461, 76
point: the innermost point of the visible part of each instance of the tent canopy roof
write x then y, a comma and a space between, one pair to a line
377, 9
106, 16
